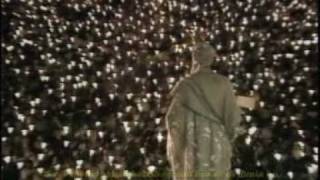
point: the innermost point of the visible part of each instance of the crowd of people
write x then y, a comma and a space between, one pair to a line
85, 84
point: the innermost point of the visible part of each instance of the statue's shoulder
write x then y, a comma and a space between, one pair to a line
220, 78
210, 77
179, 87
223, 82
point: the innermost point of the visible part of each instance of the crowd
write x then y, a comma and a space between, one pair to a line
85, 84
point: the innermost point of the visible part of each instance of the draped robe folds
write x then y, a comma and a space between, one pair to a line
202, 122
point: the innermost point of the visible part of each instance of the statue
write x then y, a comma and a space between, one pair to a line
203, 120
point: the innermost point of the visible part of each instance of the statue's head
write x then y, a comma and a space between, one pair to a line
203, 54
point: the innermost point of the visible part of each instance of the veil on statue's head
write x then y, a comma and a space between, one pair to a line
203, 54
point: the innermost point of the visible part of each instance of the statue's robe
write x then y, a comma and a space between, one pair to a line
202, 122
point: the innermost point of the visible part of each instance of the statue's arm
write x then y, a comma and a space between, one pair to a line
247, 101
176, 134
232, 113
